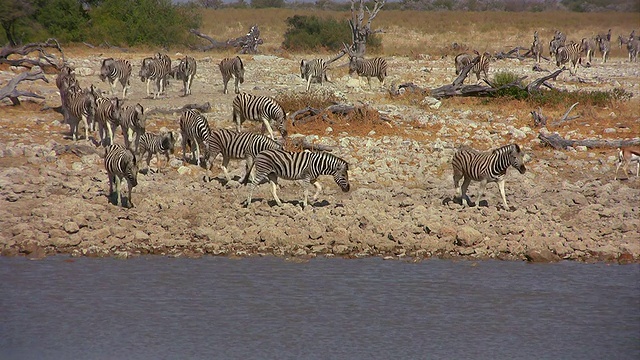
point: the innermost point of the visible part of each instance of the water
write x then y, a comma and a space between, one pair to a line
267, 308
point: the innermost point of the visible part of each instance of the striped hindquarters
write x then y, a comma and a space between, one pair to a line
376, 67
482, 66
490, 166
157, 143
258, 108
232, 67
122, 163
194, 127
186, 71
570, 52
113, 70
133, 121
155, 69
313, 69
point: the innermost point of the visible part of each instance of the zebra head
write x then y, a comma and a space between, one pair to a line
106, 68
516, 158
354, 64
144, 69
341, 174
303, 69
116, 108
169, 141
140, 119
130, 167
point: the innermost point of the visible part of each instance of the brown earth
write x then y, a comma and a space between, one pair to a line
53, 192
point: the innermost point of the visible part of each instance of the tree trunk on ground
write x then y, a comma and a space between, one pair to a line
10, 91
44, 60
206, 107
557, 142
248, 44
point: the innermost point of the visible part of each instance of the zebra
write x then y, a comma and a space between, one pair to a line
237, 146
571, 52
633, 46
186, 71
482, 66
151, 144
486, 167
313, 69
120, 164
195, 130
108, 115
256, 108
306, 166
133, 121
461, 61
604, 45
554, 45
154, 69
113, 70
536, 47
232, 67
623, 41
376, 67
66, 82
588, 47
80, 106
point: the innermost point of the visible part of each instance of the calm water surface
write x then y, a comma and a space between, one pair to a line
267, 308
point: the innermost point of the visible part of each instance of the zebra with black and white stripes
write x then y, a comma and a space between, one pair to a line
232, 67
80, 106
536, 47
108, 116
461, 61
485, 167
133, 122
186, 71
155, 69
482, 65
234, 145
313, 69
604, 45
195, 130
119, 70
588, 47
572, 52
633, 47
120, 164
376, 67
306, 166
156, 144
259, 108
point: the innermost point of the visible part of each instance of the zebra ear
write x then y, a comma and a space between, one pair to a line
517, 147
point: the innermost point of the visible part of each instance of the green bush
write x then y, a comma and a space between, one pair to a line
65, 20
516, 91
306, 33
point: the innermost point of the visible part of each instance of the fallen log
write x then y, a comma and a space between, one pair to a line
557, 142
206, 107
535, 85
248, 43
10, 91
309, 113
44, 60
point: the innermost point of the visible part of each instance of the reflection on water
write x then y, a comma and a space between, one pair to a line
267, 308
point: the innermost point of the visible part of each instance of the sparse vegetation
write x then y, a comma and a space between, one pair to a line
307, 33
293, 101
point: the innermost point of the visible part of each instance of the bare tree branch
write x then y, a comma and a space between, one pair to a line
10, 91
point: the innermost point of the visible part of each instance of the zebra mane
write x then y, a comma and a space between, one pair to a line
506, 148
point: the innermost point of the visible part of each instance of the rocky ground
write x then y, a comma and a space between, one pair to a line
54, 192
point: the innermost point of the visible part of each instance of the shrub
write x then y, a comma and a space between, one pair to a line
64, 19
516, 91
306, 33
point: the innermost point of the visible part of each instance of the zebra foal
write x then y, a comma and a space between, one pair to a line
237, 146
194, 129
108, 116
120, 70
156, 144
571, 52
376, 67
259, 108
461, 61
133, 122
232, 67
186, 71
80, 107
306, 166
485, 167
313, 69
120, 164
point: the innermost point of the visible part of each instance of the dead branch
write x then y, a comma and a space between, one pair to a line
406, 88
512, 54
248, 43
538, 118
566, 114
557, 142
10, 91
309, 114
206, 107
535, 85
45, 59
302, 143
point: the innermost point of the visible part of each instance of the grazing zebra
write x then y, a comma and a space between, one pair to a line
151, 144
232, 67
186, 71
306, 166
486, 167
461, 61
570, 52
80, 106
589, 48
604, 45
120, 164
376, 67
237, 146
133, 121
482, 66
195, 130
155, 69
536, 47
313, 69
257, 108
108, 115
113, 70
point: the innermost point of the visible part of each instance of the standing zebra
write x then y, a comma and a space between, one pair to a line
154, 69
66, 82
195, 130
588, 47
376, 67
120, 164
482, 66
151, 144
232, 67
536, 47
313, 69
306, 166
113, 70
133, 121
461, 61
486, 167
633, 47
259, 108
237, 146
108, 116
186, 71
604, 45
570, 52
81, 106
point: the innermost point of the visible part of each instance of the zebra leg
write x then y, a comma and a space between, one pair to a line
85, 122
308, 83
113, 88
318, 188
130, 199
463, 191
504, 198
456, 181
225, 81
148, 82
118, 184
273, 181
268, 126
225, 163
481, 189
184, 147
196, 153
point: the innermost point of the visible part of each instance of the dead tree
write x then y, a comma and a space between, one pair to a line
248, 43
44, 60
10, 91
540, 120
360, 31
557, 142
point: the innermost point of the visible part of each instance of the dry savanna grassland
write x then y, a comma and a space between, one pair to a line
54, 191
